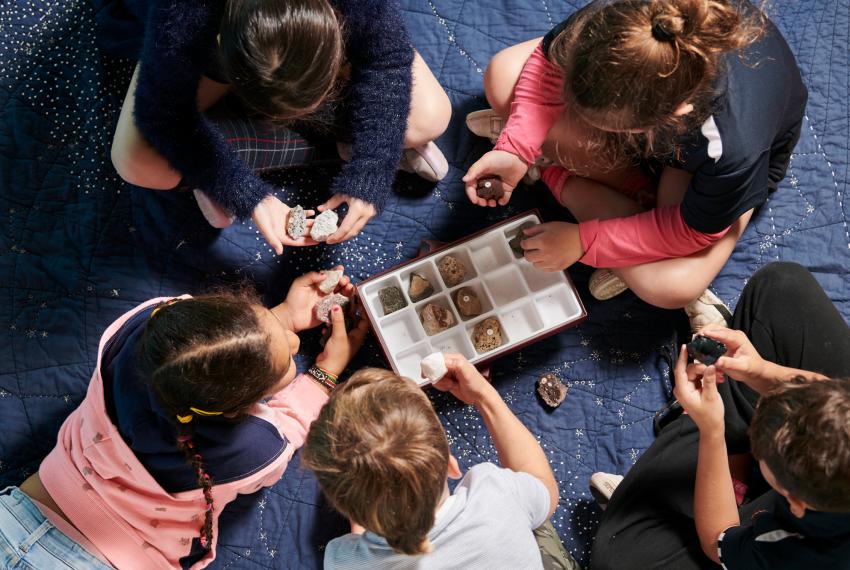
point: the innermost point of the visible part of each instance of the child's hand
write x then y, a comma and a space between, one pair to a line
741, 361
552, 246
509, 167
270, 218
698, 394
303, 295
359, 214
464, 381
341, 346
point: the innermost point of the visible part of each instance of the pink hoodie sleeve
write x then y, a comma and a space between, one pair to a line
537, 105
295, 407
660, 233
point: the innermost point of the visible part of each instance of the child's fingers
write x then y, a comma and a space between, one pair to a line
681, 368
473, 196
338, 323
709, 384
534, 256
333, 202
505, 198
532, 243
271, 238
344, 231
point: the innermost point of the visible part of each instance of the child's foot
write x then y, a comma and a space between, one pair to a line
485, 123
602, 486
605, 284
426, 160
707, 309
217, 216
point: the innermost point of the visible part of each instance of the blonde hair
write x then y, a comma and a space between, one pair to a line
381, 456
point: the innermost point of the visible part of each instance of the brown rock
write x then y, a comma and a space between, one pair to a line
436, 318
467, 302
520, 235
420, 288
551, 390
490, 188
452, 270
487, 335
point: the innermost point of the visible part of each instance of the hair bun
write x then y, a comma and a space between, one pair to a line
662, 30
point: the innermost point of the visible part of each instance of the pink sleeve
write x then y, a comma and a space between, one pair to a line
537, 105
660, 233
294, 408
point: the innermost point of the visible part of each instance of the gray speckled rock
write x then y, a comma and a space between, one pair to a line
296, 223
517, 239
391, 299
332, 277
324, 226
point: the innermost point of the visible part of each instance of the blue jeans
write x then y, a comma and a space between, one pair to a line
29, 540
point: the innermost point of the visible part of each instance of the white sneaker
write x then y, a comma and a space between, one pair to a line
217, 216
605, 284
427, 160
706, 309
485, 123
602, 486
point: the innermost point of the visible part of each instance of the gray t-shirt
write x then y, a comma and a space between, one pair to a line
487, 523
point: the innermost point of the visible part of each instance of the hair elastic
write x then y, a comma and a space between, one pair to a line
660, 31
165, 304
184, 419
205, 413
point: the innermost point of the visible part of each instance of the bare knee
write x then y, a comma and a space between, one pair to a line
147, 170
669, 288
500, 78
429, 118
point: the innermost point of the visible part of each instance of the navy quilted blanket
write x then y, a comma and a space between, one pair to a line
78, 247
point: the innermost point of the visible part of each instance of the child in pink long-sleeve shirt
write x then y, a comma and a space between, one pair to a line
193, 402
706, 89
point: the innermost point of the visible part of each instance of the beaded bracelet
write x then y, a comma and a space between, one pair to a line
323, 377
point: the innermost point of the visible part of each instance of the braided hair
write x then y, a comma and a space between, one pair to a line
206, 356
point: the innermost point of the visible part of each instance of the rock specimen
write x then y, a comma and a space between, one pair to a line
490, 188
706, 350
433, 367
552, 391
420, 288
332, 277
324, 226
520, 235
452, 270
487, 335
296, 223
391, 299
467, 302
436, 318
323, 307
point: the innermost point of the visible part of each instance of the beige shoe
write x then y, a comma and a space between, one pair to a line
217, 216
602, 486
707, 309
427, 160
604, 284
485, 123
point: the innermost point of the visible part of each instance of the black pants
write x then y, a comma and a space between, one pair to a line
649, 522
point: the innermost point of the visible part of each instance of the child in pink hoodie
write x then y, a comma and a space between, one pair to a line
707, 91
193, 402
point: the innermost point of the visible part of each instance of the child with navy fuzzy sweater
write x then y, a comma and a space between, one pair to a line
286, 62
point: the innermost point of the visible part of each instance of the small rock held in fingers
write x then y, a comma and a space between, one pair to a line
332, 277
324, 226
323, 307
490, 188
296, 223
516, 241
434, 367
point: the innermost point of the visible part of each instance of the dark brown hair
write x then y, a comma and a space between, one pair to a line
630, 64
282, 57
381, 457
208, 353
801, 430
